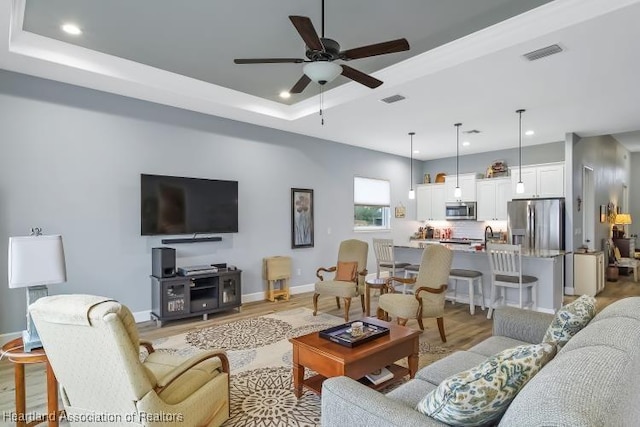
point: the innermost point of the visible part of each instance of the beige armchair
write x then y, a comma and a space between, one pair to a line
346, 283
93, 346
428, 297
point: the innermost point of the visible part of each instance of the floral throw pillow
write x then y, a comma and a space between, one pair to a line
346, 271
482, 394
569, 320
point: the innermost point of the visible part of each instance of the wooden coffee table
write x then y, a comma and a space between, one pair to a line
329, 359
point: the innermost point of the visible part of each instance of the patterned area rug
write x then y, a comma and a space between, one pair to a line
260, 356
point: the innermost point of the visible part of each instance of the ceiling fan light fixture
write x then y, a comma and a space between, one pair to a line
322, 72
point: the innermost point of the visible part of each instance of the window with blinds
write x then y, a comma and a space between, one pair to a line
371, 204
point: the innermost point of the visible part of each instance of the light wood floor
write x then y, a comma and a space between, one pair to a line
463, 331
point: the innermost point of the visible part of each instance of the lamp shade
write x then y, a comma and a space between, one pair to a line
322, 71
36, 260
623, 219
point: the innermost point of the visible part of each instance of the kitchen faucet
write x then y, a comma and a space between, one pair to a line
488, 227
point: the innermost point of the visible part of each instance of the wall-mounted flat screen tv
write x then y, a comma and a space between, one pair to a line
177, 205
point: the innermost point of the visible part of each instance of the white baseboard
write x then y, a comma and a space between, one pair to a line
142, 316
261, 296
569, 291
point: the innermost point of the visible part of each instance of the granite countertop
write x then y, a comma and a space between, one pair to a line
470, 249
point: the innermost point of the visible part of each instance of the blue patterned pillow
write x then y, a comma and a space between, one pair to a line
569, 320
482, 394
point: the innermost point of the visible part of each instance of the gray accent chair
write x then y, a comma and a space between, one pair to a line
594, 380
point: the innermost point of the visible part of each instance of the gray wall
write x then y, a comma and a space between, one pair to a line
634, 199
611, 164
544, 153
71, 162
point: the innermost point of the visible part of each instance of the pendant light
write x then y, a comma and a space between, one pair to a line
412, 193
520, 185
457, 193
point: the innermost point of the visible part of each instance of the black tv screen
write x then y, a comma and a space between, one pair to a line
175, 205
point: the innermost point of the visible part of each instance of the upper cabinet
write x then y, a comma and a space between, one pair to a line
493, 195
539, 181
430, 202
467, 184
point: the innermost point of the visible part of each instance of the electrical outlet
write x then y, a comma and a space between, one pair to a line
299, 272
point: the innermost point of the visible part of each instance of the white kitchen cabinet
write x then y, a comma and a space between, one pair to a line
588, 273
467, 184
493, 195
430, 202
539, 181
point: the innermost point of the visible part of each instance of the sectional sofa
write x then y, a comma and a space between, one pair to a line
594, 380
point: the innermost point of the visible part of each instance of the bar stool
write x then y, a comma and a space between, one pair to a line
410, 270
470, 276
506, 272
385, 258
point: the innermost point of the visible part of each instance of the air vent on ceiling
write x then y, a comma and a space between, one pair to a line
393, 98
472, 131
541, 53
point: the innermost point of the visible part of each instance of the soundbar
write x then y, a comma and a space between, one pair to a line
196, 269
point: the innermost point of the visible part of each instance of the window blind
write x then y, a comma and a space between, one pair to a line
371, 192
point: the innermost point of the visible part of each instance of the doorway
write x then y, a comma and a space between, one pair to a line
588, 209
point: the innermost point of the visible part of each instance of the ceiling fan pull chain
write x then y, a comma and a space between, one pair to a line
321, 105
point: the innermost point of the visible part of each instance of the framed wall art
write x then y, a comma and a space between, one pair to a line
301, 218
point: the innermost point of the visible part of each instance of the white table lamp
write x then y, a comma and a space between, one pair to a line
35, 262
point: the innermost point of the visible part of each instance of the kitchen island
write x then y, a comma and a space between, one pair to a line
546, 265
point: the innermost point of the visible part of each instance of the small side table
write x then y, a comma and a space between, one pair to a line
14, 351
368, 285
277, 269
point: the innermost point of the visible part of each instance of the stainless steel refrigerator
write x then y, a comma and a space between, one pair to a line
536, 223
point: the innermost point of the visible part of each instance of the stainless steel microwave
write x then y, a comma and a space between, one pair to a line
460, 210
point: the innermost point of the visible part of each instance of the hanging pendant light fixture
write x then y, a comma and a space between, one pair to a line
412, 193
457, 193
520, 185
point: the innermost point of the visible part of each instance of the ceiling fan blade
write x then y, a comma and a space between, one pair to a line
268, 61
376, 49
360, 77
300, 84
308, 33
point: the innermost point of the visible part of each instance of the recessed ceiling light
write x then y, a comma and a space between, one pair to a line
71, 29
284, 94
466, 143
529, 132
416, 151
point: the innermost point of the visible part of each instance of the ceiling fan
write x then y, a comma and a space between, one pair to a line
322, 51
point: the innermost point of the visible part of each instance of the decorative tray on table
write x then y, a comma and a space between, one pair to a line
342, 334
